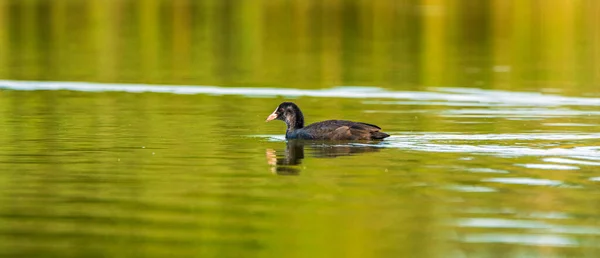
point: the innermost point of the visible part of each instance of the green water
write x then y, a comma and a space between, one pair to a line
493, 109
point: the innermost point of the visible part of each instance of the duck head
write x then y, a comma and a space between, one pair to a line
289, 113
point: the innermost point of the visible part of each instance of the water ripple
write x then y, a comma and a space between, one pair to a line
524, 181
572, 161
517, 112
501, 137
447, 94
548, 166
427, 142
526, 224
521, 239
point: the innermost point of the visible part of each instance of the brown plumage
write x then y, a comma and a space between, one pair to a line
327, 130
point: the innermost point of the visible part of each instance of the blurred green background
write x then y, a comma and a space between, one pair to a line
501, 44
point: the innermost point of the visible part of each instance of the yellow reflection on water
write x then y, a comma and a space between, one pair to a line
308, 44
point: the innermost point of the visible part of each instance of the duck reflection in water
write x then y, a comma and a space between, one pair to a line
288, 163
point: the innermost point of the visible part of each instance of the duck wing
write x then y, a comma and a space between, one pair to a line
343, 130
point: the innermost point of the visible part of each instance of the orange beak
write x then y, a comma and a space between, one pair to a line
271, 117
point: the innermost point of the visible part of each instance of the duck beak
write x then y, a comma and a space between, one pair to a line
271, 117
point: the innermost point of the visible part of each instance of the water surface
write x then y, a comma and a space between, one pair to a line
131, 170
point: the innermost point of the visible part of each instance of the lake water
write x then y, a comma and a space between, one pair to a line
118, 172
137, 129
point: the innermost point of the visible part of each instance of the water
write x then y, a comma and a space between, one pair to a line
129, 170
136, 128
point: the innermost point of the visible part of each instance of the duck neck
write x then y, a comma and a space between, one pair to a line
294, 122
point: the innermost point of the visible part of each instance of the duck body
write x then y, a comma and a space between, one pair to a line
337, 130
340, 130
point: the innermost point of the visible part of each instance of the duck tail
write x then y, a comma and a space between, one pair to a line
379, 135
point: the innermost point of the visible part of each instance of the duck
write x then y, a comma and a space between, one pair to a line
337, 130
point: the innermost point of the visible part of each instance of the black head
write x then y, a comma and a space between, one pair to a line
289, 113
